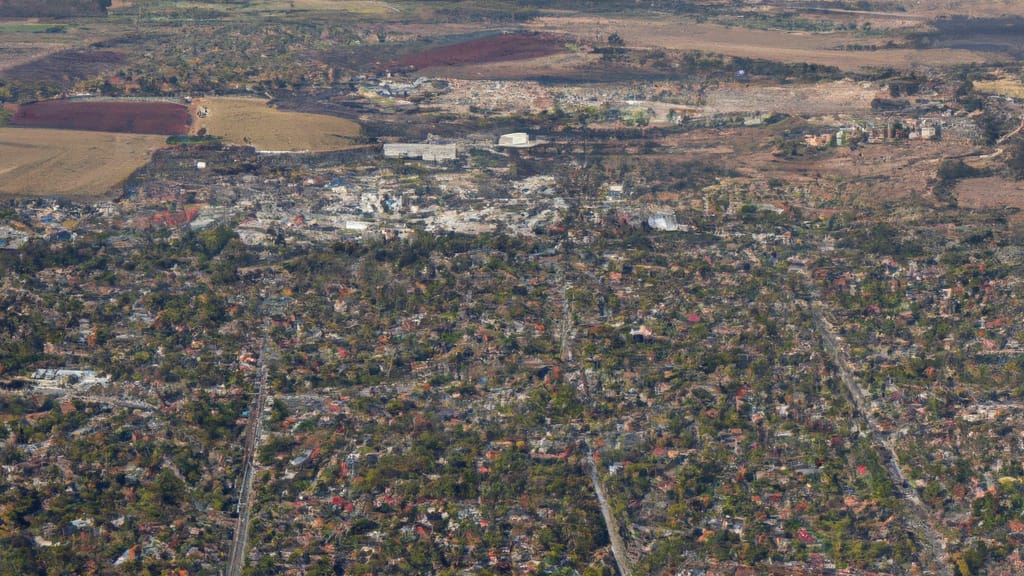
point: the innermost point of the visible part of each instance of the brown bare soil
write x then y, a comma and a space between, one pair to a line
105, 116
873, 173
822, 98
70, 164
498, 48
870, 175
991, 192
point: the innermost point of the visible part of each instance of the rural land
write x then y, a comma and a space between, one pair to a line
602, 287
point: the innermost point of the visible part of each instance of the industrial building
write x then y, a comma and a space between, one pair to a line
428, 152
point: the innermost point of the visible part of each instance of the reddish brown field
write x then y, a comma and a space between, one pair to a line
104, 116
500, 48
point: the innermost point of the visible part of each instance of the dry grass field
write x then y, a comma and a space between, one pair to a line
793, 47
991, 192
68, 163
1006, 86
249, 121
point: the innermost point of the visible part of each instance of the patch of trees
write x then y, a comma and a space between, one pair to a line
1015, 158
904, 87
800, 71
792, 21
696, 61
204, 139
690, 174
949, 172
888, 105
993, 123
615, 49
882, 239
967, 97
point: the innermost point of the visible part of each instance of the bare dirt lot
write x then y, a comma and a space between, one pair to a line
794, 47
70, 164
106, 116
870, 175
992, 192
250, 121
822, 98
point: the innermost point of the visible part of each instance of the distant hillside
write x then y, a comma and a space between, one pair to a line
52, 8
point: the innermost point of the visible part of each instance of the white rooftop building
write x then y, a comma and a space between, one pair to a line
67, 378
666, 222
515, 140
428, 152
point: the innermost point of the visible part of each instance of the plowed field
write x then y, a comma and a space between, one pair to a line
105, 116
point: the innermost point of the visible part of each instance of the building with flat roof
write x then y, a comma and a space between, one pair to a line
515, 140
428, 152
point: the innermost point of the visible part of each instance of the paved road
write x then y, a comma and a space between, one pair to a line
618, 546
236, 558
933, 543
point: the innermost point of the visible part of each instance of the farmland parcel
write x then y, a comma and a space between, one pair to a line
68, 163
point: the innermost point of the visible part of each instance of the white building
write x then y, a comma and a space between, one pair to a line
516, 140
67, 378
428, 152
665, 222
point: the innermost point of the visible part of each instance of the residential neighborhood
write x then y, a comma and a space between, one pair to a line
562, 301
